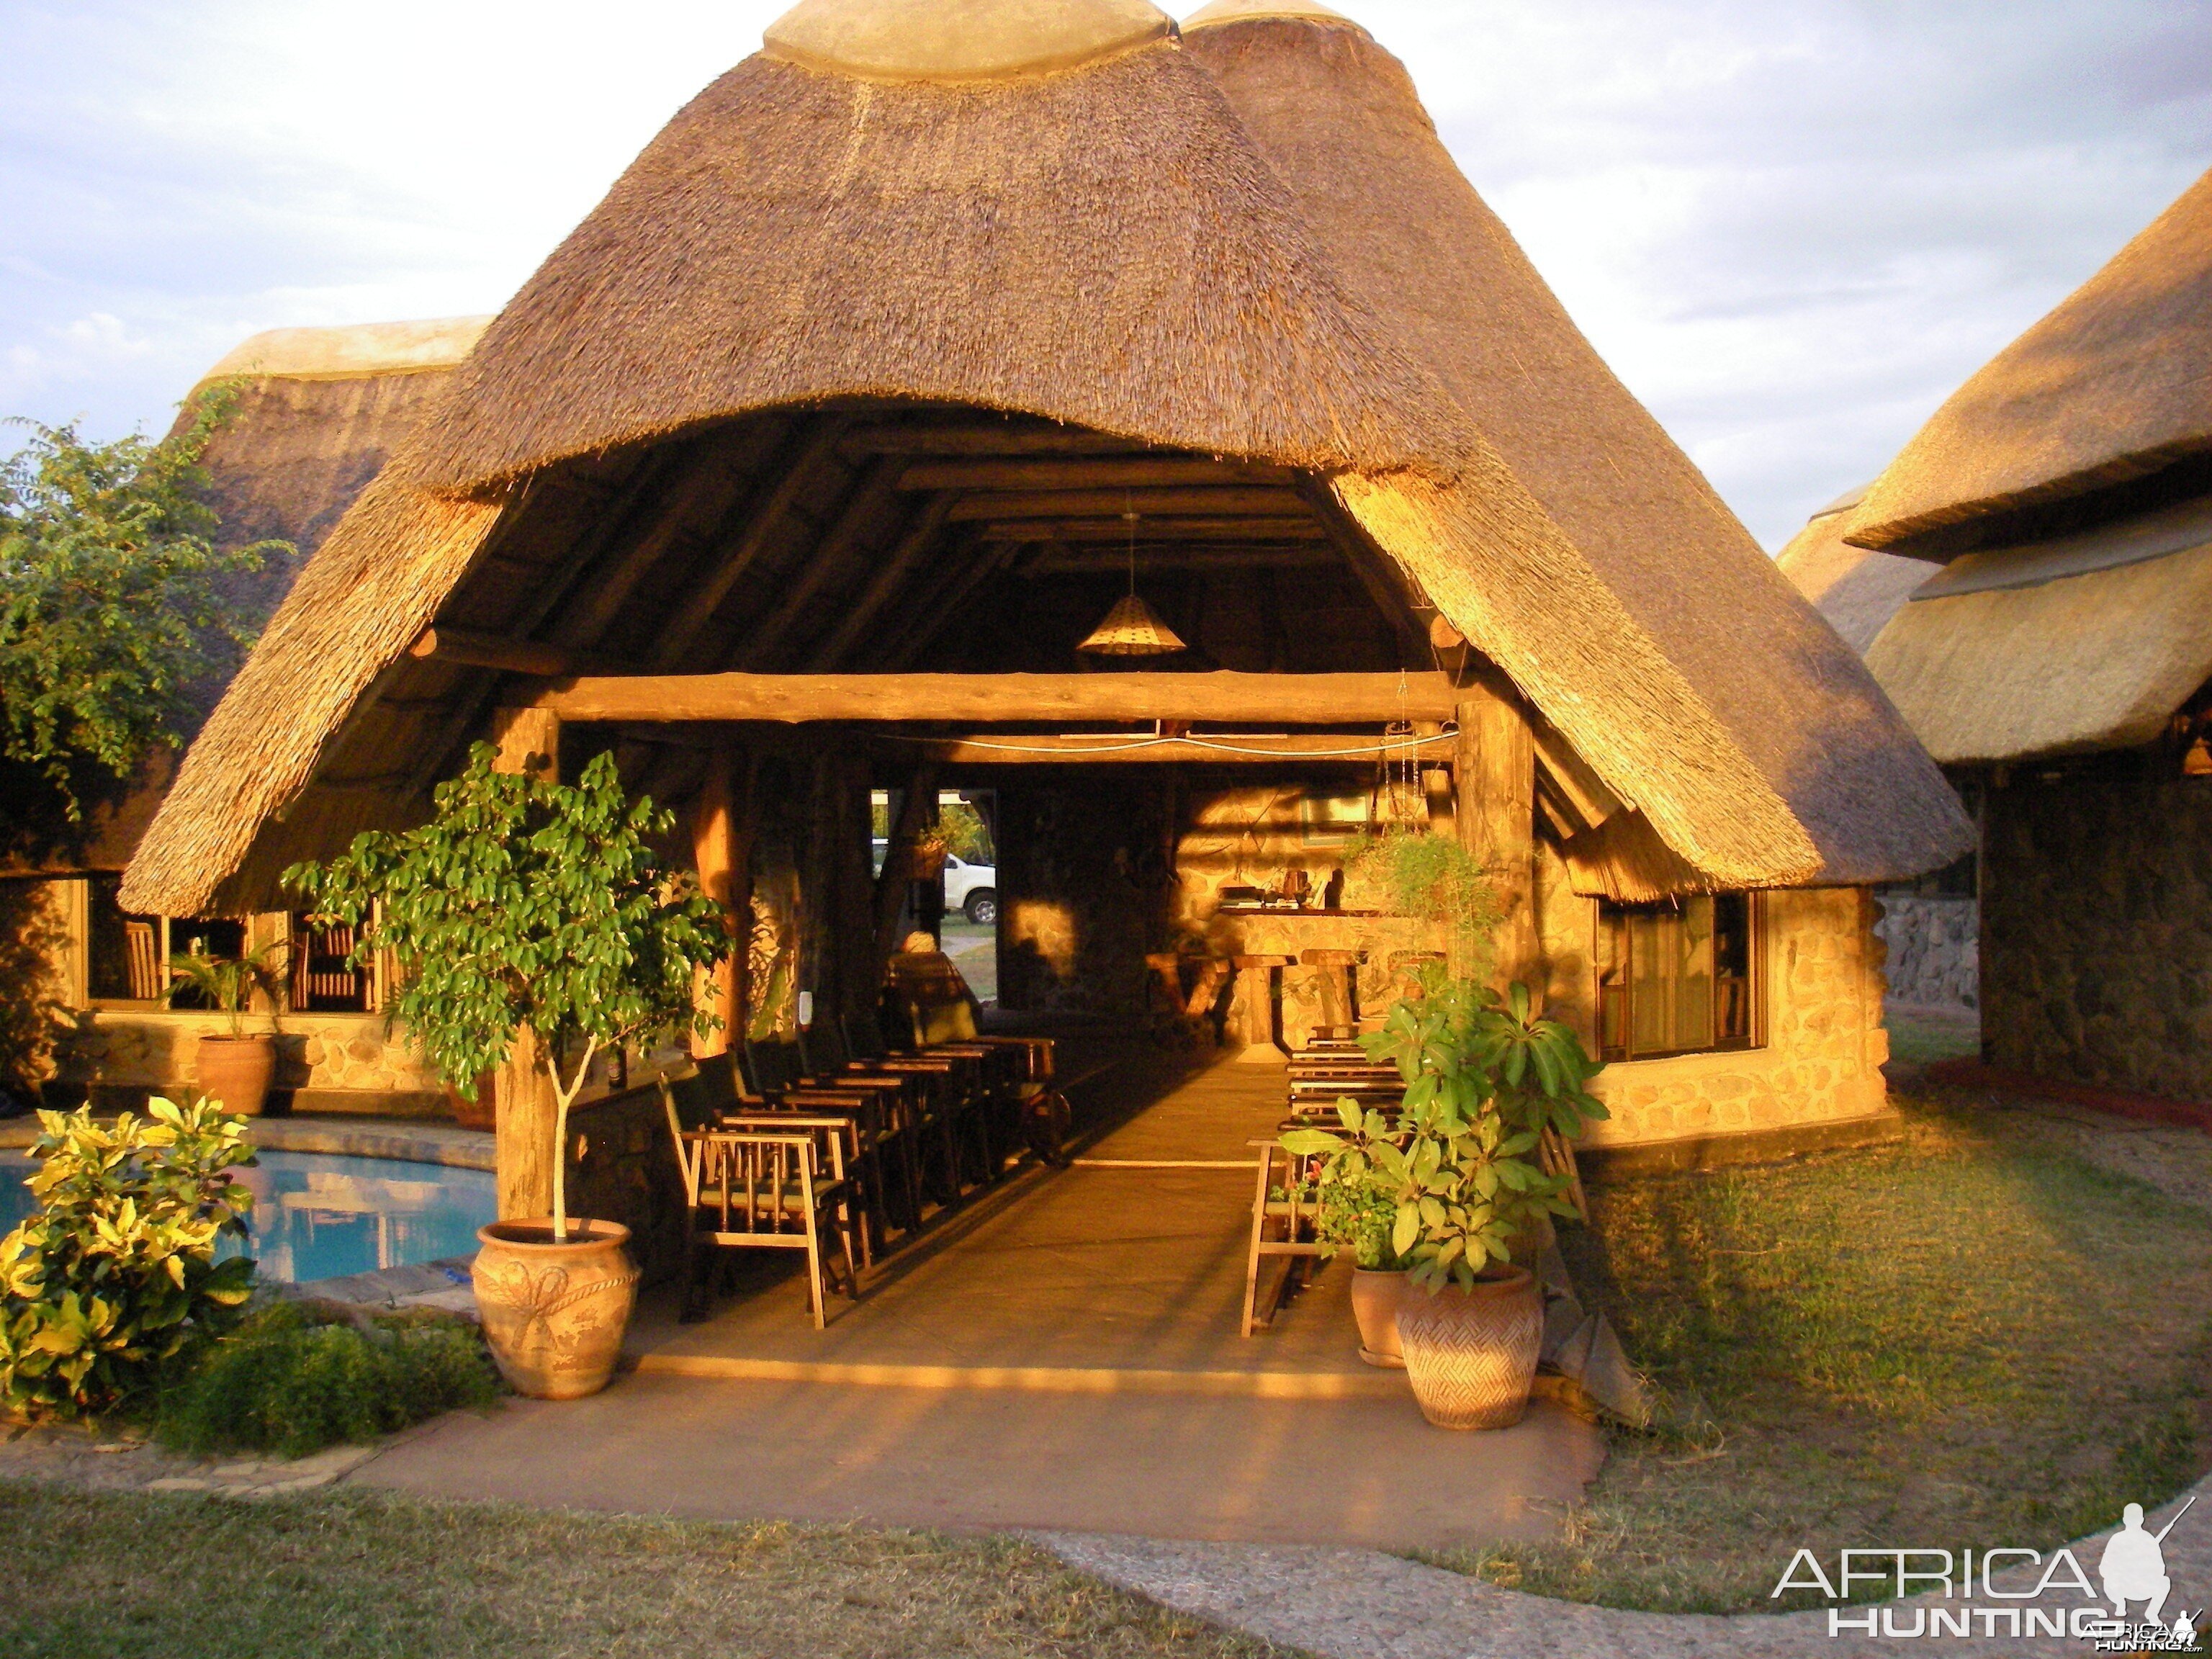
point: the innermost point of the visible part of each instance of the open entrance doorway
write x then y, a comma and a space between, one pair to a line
954, 896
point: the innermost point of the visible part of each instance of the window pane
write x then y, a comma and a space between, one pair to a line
1672, 991
122, 953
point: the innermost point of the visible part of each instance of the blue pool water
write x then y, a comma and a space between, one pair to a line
317, 1215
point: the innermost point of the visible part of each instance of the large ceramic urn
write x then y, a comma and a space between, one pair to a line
1471, 1354
237, 1071
554, 1314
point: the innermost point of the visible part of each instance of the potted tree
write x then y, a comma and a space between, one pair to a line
533, 912
1460, 1177
1356, 1210
234, 1069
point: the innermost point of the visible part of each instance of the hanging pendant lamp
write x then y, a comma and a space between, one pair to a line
1130, 628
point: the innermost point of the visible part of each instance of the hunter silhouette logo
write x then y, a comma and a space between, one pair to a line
1941, 1593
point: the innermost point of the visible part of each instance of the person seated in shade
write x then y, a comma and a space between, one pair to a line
2133, 1567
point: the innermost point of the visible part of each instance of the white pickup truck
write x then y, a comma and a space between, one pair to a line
970, 889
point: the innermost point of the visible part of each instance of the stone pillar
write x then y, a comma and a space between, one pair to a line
529, 741
1494, 783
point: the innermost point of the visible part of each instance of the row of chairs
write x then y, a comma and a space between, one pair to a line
838, 1145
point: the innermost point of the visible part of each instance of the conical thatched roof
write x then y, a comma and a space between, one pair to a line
1339, 118
2110, 386
1856, 589
1244, 252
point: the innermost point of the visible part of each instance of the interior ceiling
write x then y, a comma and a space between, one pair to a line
887, 539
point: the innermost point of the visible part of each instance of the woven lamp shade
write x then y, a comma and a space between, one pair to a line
1132, 630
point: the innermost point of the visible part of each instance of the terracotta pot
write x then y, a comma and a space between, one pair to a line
554, 1314
1375, 1298
237, 1071
1471, 1355
482, 1112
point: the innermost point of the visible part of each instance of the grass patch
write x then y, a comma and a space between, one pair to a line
1922, 1038
356, 1573
1970, 1337
297, 1376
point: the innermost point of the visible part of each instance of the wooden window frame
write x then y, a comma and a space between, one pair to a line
1755, 952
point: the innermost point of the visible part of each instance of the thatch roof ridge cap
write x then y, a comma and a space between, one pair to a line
952, 42
1217, 12
351, 351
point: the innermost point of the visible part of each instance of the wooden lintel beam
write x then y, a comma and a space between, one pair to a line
1105, 473
1224, 748
1235, 501
1266, 699
1152, 530
987, 439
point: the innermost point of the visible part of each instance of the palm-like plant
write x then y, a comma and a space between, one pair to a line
230, 983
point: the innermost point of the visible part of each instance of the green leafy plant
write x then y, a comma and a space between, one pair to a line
1436, 879
296, 1377
117, 1272
526, 902
112, 608
228, 983
1458, 1167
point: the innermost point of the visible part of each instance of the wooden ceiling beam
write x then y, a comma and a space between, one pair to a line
704, 494
1088, 560
970, 563
830, 558
889, 577
1107, 473
763, 514
988, 439
466, 647
1154, 531
986, 699
1231, 502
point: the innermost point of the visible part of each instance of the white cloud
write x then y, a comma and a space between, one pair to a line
1792, 226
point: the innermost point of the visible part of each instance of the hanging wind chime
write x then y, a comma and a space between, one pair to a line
1130, 628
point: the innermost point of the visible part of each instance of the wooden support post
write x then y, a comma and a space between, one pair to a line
1494, 780
714, 842
529, 741
899, 857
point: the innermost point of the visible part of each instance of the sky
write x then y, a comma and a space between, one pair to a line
1792, 226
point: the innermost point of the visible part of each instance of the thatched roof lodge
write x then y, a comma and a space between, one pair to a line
804, 464
2036, 566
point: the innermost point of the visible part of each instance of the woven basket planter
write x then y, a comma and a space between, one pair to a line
1471, 1355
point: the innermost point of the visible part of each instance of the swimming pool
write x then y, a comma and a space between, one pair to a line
317, 1215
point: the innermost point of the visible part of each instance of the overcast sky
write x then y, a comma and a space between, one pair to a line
1792, 226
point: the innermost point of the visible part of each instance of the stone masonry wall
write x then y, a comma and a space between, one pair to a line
334, 1062
1825, 1044
2097, 926
1935, 950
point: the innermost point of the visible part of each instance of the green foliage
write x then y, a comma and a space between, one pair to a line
117, 1270
1457, 1167
527, 903
1436, 879
297, 1376
108, 610
228, 983
966, 836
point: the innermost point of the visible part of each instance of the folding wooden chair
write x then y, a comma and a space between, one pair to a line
756, 1184
1285, 1214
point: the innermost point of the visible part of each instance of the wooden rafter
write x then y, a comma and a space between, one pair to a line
987, 439
889, 576
1152, 530
1235, 501
1103, 472
763, 514
830, 558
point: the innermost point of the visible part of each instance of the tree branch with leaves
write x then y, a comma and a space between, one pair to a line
521, 902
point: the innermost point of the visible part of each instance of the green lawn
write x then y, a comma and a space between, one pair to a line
109, 1577
1969, 1337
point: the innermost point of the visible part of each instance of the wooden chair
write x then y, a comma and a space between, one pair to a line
142, 957
761, 1184
1284, 1230
972, 1074
776, 1075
